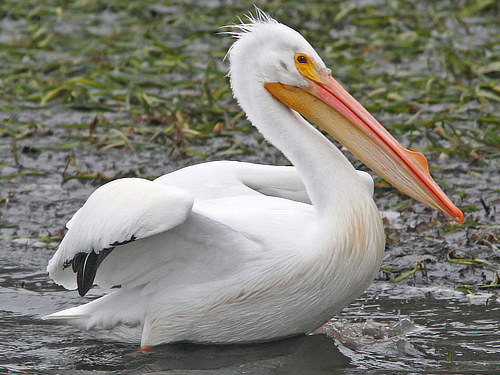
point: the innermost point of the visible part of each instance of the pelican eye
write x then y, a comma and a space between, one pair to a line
302, 59
306, 66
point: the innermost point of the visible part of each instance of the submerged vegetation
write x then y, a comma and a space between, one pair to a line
142, 84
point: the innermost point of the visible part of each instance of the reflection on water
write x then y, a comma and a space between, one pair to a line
305, 355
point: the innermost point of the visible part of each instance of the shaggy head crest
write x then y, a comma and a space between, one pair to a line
253, 21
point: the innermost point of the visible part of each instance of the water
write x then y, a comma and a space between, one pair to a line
388, 329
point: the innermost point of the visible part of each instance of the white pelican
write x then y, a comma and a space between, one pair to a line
227, 252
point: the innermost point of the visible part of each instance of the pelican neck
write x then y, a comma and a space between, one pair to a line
328, 176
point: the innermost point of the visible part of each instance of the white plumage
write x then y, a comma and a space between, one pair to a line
226, 251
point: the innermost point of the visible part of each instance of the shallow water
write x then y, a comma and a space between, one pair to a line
387, 329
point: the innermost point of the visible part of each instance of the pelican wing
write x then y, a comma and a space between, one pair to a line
284, 182
117, 213
221, 179
232, 178
127, 210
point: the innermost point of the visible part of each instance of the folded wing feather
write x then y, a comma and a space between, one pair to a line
117, 213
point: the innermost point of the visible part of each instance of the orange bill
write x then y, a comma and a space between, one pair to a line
326, 103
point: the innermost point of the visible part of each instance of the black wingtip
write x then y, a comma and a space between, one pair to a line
85, 265
82, 278
86, 272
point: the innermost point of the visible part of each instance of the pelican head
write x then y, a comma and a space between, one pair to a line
271, 56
